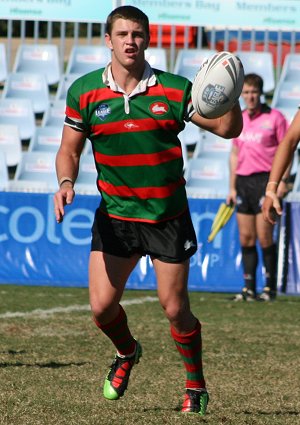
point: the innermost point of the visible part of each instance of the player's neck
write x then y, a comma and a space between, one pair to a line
127, 79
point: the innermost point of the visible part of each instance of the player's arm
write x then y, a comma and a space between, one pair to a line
282, 159
67, 166
228, 126
233, 160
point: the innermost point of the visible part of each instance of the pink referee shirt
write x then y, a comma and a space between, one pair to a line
259, 140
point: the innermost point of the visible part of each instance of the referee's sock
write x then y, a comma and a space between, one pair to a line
270, 263
250, 262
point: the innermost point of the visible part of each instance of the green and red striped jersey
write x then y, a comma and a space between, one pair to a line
135, 143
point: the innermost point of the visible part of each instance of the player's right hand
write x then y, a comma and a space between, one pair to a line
64, 196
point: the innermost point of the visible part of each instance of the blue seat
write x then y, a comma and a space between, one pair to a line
3, 172
10, 144
188, 61
84, 59
55, 114
286, 95
3, 63
260, 63
157, 57
207, 178
35, 172
64, 84
213, 146
39, 58
30, 86
291, 67
46, 139
87, 175
18, 112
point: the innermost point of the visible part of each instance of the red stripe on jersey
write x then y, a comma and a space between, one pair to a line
133, 126
72, 113
140, 192
171, 93
139, 159
97, 95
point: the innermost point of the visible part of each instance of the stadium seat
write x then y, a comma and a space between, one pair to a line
30, 86
55, 114
286, 95
64, 83
10, 144
190, 135
36, 171
188, 61
87, 176
207, 178
157, 57
213, 146
18, 112
291, 67
84, 59
3, 172
3, 63
45, 139
39, 58
260, 63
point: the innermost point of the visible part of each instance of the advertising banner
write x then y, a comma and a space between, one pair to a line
35, 250
230, 13
57, 10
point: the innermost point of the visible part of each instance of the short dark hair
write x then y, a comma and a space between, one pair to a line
127, 12
254, 80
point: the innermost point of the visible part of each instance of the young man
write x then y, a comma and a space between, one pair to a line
250, 163
283, 157
132, 115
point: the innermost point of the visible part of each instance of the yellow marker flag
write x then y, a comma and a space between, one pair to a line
222, 217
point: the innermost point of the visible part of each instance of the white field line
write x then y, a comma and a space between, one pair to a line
57, 310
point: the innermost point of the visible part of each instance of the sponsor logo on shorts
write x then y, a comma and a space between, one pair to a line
103, 111
188, 245
159, 108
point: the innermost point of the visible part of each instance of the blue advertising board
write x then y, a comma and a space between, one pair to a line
35, 250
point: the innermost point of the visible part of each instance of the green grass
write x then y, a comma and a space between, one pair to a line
52, 365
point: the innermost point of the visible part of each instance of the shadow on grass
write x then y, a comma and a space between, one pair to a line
51, 365
276, 412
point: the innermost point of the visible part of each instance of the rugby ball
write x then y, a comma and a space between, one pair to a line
217, 85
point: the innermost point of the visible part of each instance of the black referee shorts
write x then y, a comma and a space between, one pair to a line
171, 241
251, 192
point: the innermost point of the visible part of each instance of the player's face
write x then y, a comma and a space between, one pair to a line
251, 96
128, 41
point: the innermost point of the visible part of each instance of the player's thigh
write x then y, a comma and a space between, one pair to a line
172, 280
247, 229
264, 231
107, 278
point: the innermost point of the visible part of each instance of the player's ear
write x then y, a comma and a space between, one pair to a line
108, 41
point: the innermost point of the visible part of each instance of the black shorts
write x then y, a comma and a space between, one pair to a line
251, 192
171, 241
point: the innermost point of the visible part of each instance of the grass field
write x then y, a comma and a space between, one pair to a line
53, 361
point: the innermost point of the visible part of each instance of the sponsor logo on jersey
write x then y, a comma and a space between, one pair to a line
159, 108
103, 111
130, 125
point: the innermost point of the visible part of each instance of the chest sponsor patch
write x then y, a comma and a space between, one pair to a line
103, 111
159, 108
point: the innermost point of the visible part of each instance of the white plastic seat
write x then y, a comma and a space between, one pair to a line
10, 144
18, 112
157, 57
286, 95
3, 172
188, 61
87, 176
64, 84
291, 67
30, 86
207, 178
55, 114
36, 171
46, 139
213, 146
84, 59
3, 63
190, 135
39, 58
260, 63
